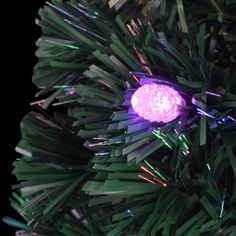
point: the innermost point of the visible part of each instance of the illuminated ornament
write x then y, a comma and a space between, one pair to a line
156, 102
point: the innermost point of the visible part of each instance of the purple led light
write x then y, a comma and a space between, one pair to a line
156, 102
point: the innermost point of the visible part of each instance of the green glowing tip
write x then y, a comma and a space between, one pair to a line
161, 176
19, 199
208, 166
184, 153
148, 164
73, 47
62, 44
96, 13
61, 86
167, 144
185, 145
156, 134
185, 138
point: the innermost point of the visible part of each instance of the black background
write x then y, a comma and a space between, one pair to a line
18, 35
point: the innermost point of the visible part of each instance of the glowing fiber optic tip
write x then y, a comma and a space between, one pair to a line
156, 102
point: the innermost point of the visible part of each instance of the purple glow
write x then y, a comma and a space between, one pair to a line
130, 212
70, 90
231, 118
201, 112
213, 94
156, 102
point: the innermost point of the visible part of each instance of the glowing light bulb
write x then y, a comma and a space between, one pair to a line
156, 102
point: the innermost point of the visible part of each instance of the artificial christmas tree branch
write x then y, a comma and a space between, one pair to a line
150, 88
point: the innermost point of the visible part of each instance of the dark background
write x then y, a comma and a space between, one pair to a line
17, 61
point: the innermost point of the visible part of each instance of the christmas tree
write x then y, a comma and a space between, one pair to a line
149, 88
